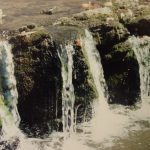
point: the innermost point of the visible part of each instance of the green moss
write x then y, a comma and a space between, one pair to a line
38, 36
120, 52
122, 47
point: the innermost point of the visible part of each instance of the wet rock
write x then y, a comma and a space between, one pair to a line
119, 62
94, 13
27, 28
140, 26
108, 35
125, 14
121, 73
38, 74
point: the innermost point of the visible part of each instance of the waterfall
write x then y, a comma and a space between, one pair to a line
141, 48
68, 97
105, 123
9, 128
8, 81
96, 69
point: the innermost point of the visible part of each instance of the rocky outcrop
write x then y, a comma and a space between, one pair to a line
111, 27
39, 83
90, 18
119, 62
135, 17
122, 74
107, 35
140, 26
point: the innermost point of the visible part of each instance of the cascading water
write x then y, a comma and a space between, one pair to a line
103, 115
8, 100
141, 48
68, 97
11, 136
96, 69
8, 79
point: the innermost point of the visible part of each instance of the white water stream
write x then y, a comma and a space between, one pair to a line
8, 81
141, 48
68, 97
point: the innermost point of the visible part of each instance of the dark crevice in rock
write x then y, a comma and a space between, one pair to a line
137, 21
139, 26
121, 71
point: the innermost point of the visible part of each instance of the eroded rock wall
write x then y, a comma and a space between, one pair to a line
39, 82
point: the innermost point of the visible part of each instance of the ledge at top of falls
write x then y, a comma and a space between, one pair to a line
134, 19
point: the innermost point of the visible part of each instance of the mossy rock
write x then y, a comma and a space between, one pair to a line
89, 18
108, 35
121, 71
121, 52
139, 23
39, 81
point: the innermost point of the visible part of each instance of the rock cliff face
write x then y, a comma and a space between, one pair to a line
111, 27
39, 82
121, 73
38, 66
119, 62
